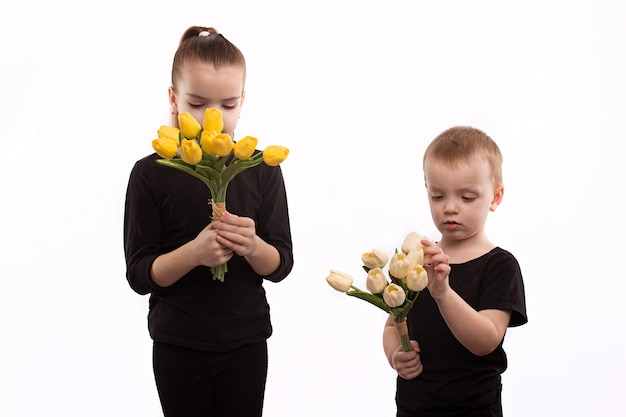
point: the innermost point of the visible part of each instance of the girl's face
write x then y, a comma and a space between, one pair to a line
460, 198
201, 86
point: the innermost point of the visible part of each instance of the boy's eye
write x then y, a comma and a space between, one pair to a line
436, 197
468, 198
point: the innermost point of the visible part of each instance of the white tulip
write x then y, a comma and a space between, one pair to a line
400, 265
417, 279
340, 281
375, 259
394, 295
376, 281
412, 241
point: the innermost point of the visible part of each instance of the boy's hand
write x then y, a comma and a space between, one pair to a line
408, 365
438, 270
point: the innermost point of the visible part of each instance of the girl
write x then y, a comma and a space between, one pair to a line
210, 350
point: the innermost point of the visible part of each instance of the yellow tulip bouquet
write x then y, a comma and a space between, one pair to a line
407, 278
203, 151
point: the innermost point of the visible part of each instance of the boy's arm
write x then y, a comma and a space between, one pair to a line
408, 365
479, 331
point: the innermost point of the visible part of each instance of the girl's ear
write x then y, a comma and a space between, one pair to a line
173, 100
498, 195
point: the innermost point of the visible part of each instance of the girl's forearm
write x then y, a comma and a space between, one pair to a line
264, 259
168, 268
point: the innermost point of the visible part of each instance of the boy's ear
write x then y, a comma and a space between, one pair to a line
498, 195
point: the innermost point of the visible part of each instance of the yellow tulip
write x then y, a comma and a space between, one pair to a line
189, 126
374, 259
213, 120
169, 132
400, 265
274, 155
190, 151
376, 281
165, 148
417, 279
244, 148
340, 281
206, 141
394, 295
222, 144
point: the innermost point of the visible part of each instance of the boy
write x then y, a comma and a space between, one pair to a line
475, 289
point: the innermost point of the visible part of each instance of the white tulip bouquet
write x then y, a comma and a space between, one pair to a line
407, 278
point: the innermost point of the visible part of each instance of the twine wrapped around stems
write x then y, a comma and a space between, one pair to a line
403, 332
219, 209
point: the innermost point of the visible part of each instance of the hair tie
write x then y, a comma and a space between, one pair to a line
204, 33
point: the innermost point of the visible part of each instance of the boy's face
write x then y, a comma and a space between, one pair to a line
461, 197
202, 86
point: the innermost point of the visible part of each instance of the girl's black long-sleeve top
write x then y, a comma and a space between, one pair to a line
166, 208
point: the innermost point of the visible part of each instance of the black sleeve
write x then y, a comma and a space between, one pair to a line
503, 287
141, 232
273, 223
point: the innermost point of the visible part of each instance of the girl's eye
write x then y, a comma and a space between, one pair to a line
196, 105
229, 107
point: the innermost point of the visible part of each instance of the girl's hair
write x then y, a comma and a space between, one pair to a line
206, 45
459, 144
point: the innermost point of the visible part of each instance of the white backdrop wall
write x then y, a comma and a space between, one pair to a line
356, 90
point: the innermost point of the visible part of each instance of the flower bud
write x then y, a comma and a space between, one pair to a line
375, 259
222, 144
244, 148
165, 148
411, 241
376, 281
169, 132
340, 281
189, 126
206, 141
213, 120
394, 295
416, 257
399, 266
190, 151
274, 155
417, 279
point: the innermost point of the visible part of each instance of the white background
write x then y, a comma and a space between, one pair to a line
356, 90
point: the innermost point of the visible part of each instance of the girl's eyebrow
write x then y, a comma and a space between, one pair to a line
199, 97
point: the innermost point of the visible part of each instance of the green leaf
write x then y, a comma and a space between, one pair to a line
370, 298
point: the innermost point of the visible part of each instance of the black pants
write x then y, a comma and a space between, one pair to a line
194, 383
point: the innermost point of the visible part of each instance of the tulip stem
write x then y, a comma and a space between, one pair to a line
403, 332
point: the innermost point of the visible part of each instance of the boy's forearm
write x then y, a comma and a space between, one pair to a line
391, 340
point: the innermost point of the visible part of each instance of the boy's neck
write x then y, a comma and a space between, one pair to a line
461, 251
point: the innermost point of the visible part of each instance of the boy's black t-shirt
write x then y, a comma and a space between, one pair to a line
455, 382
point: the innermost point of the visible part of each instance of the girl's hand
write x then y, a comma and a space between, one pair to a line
236, 233
207, 250
408, 365
438, 270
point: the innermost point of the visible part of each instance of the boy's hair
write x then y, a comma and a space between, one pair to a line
459, 144
202, 44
